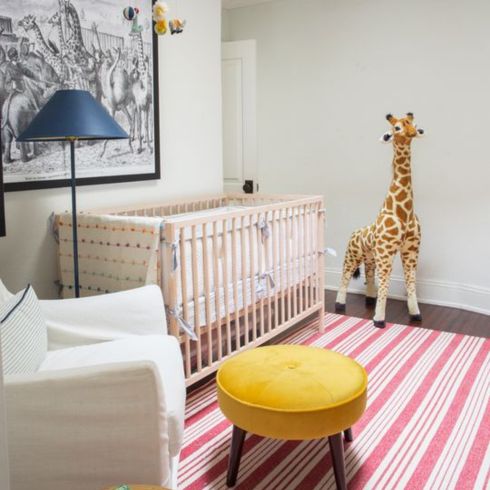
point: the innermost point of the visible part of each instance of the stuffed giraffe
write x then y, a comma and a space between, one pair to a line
396, 229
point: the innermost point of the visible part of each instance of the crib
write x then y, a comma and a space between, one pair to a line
236, 270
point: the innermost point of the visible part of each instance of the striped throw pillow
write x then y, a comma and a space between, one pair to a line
23, 333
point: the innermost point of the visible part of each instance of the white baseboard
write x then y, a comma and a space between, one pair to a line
456, 295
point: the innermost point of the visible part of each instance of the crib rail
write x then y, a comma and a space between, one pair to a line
244, 276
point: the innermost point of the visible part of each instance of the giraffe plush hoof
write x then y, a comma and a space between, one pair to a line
370, 301
339, 307
379, 323
416, 318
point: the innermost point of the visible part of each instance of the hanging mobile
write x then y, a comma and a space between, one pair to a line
131, 13
177, 24
159, 10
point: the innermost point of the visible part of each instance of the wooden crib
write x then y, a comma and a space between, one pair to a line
237, 270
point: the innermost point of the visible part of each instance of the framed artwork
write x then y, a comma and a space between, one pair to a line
84, 44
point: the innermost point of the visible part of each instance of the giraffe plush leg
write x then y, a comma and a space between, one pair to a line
409, 261
370, 268
352, 261
384, 266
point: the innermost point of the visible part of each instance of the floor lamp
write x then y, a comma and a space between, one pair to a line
73, 115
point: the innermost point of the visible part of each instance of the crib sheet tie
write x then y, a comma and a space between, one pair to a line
184, 325
329, 251
264, 228
175, 262
263, 278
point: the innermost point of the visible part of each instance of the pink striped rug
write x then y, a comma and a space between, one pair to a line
427, 422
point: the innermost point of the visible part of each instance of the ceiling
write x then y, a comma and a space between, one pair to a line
233, 4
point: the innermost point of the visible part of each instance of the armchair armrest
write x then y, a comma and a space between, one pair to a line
84, 321
88, 427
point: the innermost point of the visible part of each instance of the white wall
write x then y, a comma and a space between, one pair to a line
329, 70
190, 120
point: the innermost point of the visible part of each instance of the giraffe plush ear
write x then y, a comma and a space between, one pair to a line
387, 137
390, 119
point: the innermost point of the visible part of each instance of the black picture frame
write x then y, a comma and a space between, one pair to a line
116, 178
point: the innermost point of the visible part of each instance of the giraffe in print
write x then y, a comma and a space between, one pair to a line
74, 42
28, 23
142, 94
396, 229
55, 20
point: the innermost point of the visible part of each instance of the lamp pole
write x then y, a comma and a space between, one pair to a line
74, 216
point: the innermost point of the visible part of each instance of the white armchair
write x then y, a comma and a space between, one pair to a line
106, 405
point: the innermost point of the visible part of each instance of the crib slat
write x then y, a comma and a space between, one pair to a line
276, 273
288, 261
299, 231
267, 251
295, 259
195, 293
207, 294
170, 238
216, 290
243, 249
282, 255
317, 257
321, 266
224, 241
311, 248
251, 241
306, 258
185, 306
260, 272
234, 259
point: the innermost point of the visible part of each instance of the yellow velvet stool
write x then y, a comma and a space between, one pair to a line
292, 392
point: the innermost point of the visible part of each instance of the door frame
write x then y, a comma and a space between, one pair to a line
246, 52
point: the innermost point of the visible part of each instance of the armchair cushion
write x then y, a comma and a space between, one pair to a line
89, 320
23, 332
5, 294
162, 350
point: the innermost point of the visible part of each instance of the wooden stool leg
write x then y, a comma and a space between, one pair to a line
337, 454
348, 435
237, 440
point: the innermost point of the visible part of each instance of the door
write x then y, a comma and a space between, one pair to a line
239, 116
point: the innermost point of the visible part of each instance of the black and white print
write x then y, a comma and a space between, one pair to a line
85, 44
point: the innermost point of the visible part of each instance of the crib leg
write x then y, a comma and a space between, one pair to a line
321, 319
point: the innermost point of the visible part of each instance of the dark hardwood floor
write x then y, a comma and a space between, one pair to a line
434, 317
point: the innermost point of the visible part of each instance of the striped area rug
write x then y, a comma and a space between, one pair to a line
427, 422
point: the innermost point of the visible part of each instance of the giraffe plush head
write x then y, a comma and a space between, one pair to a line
403, 129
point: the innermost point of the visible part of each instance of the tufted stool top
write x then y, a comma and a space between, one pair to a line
292, 391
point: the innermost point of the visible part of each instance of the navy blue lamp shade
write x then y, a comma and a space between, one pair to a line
72, 114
